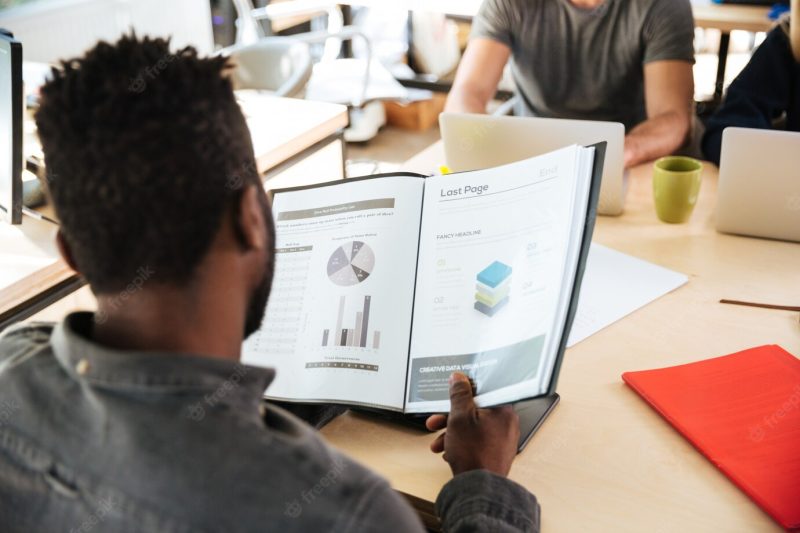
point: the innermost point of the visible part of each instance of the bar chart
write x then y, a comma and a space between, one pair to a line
357, 336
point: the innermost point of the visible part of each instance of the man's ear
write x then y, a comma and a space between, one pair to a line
251, 224
65, 251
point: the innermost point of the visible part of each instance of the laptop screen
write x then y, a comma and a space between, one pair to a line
10, 130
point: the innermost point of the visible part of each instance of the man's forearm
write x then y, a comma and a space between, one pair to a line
465, 101
482, 501
656, 137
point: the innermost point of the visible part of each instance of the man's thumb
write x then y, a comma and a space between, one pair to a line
460, 393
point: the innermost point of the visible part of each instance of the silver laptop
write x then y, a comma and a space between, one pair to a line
759, 184
480, 141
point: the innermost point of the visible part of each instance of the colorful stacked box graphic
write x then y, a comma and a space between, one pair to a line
493, 284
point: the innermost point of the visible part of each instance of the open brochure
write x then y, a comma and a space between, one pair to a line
386, 285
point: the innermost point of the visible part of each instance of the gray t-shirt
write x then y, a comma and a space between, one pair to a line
571, 62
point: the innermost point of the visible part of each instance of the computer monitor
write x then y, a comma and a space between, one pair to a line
11, 102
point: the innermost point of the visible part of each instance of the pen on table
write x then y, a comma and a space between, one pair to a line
763, 306
38, 216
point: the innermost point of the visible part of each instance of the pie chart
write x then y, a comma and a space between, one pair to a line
351, 263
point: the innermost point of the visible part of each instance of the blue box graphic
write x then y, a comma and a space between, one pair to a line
494, 274
493, 288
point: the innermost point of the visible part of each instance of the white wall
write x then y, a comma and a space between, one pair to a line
56, 29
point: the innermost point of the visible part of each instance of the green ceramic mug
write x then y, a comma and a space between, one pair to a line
676, 184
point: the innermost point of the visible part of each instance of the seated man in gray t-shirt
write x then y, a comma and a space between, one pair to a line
626, 61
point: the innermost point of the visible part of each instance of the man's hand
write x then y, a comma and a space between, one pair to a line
669, 93
475, 439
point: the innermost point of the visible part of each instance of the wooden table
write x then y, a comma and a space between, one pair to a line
706, 13
727, 18
31, 275
604, 460
296, 142
286, 131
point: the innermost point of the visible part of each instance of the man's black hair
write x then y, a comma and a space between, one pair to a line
146, 151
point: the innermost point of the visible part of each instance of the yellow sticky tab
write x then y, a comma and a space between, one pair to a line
444, 169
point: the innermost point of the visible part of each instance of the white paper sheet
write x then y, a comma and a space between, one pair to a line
614, 286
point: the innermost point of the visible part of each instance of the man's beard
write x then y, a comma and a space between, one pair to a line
257, 306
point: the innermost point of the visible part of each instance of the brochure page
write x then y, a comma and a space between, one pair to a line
492, 272
338, 321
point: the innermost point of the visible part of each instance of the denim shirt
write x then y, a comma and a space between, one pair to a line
95, 439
